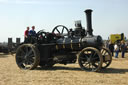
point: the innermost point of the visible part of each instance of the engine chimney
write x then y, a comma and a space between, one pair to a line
89, 22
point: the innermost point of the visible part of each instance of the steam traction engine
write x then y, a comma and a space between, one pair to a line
64, 46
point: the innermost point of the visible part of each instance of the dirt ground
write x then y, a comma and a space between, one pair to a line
10, 74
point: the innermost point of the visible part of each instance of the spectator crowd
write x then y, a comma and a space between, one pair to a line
116, 48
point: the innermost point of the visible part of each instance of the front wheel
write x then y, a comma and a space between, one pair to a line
90, 59
27, 56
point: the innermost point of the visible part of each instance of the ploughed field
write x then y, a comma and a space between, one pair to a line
71, 74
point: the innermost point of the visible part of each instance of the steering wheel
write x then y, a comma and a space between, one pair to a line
60, 30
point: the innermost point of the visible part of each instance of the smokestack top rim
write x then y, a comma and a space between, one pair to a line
88, 10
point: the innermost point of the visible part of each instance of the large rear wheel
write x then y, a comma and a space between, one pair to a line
27, 56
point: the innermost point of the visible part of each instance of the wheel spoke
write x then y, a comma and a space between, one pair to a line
62, 30
22, 62
95, 58
102, 51
22, 51
58, 31
93, 68
26, 49
106, 63
20, 57
26, 67
84, 57
86, 54
29, 52
91, 55
96, 64
94, 54
30, 62
85, 64
87, 51
89, 65
31, 55
105, 52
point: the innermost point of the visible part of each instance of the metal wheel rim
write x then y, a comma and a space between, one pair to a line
25, 57
90, 62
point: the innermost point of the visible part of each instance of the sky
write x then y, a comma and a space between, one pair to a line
108, 16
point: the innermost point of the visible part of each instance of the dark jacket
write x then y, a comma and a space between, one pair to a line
111, 47
123, 47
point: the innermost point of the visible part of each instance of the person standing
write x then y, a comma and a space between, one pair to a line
111, 47
32, 35
107, 44
123, 48
116, 48
32, 32
26, 33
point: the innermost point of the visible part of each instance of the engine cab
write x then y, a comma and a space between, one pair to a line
79, 31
